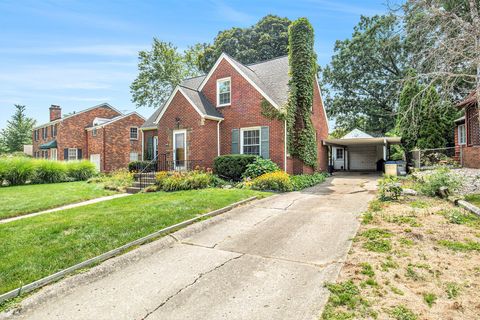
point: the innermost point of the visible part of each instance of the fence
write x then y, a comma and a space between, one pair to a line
430, 158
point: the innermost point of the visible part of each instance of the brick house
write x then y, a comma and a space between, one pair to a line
101, 133
467, 133
221, 113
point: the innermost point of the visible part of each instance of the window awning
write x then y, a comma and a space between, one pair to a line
49, 145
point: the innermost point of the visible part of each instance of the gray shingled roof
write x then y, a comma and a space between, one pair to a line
270, 76
202, 102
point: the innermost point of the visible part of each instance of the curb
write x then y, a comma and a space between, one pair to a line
114, 252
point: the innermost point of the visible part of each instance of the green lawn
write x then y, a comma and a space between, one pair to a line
39, 246
473, 199
19, 200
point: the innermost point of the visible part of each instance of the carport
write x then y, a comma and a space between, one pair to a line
359, 151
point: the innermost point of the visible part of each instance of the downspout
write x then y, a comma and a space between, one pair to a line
285, 148
218, 137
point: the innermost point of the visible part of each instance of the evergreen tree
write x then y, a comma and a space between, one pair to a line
18, 131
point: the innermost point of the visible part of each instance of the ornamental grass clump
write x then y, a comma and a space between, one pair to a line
47, 171
175, 180
16, 170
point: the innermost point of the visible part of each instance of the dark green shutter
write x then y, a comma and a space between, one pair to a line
79, 154
265, 142
235, 141
65, 154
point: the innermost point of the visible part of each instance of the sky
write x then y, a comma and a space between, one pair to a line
78, 54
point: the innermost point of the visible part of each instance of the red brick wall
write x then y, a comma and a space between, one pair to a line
118, 144
244, 111
320, 123
471, 157
71, 131
201, 134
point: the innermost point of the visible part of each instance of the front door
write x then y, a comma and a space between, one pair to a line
95, 159
179, 149
53, 154
155, 147
338, 158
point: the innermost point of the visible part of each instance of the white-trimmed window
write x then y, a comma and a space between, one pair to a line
72, 154
133, 133
339, 155
462, 137
133, 156
224, 90
250, 141
94, 132
53, 154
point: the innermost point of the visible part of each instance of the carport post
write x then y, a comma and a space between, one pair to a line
385, 149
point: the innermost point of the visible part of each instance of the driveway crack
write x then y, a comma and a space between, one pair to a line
201, 275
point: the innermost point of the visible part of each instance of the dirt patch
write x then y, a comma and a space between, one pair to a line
416, 258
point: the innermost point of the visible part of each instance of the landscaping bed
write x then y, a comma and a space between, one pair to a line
20, 200
39, 246
414, 258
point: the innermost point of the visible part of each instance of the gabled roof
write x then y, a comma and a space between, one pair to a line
115, 119
356, 133
76, 114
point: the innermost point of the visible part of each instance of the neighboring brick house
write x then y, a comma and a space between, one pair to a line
221, 113
467, 133
101, 133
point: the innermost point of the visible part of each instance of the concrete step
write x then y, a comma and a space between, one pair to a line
145, 184
133, 190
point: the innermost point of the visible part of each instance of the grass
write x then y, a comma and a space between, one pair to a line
457, 216
39, 246
20, 200
473, 199
429, 299
452, 290
460, 246
403, 313
377, 240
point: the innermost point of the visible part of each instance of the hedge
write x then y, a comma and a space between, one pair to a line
232, 166
22, 170
137, 166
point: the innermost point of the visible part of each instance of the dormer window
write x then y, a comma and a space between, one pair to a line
224, 89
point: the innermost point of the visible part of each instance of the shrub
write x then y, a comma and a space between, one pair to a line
441, 177
389, 188
232, 166
118, 180
145, 166
274, 181
260, 166
80, 170
47, 171
174, 181
16, 170
307, 180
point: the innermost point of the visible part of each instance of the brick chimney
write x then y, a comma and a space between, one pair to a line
55, 112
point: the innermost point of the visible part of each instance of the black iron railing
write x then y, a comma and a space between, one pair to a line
145, 172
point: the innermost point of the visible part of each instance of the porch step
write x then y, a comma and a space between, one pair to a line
133, 190
137, 184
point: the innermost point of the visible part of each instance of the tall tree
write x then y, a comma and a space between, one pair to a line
444, 40
18, 131
362, 81
161, 69
303, 68
266, 39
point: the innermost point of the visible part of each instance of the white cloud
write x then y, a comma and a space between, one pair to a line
231, 14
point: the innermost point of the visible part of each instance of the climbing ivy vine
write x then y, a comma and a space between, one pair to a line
303, 68
270, 112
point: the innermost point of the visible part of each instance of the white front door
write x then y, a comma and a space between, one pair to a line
179, 149
53, 154
95, 159
339, 158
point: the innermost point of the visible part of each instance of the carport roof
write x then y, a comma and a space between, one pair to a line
362, 141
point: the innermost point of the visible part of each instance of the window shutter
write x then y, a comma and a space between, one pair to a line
265, 142
65, 154
79, 154
235, 141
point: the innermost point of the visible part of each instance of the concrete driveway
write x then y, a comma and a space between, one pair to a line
266, 260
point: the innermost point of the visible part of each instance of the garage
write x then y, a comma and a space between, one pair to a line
359, 151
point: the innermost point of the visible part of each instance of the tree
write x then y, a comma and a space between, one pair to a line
266, 39
18, 131
444, 39
303, 68
160, 70
362, 81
